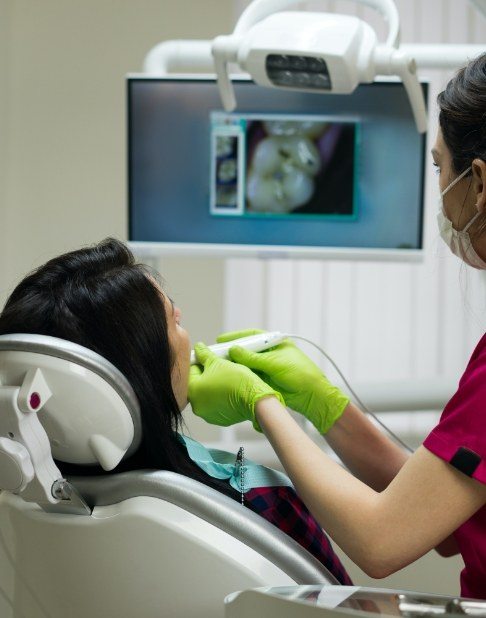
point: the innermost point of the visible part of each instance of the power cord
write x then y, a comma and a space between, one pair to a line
351, 390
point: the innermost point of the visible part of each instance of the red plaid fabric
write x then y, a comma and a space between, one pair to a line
283, 508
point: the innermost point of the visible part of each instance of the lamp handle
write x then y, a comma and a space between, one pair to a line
406, 69
259, 9
395, 62
224, 50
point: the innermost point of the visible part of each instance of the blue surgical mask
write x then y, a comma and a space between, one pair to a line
459, 242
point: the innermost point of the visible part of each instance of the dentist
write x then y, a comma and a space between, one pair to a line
387, 509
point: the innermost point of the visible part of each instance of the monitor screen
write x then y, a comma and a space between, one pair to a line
287, 172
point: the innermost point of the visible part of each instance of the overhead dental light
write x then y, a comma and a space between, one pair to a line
319, 52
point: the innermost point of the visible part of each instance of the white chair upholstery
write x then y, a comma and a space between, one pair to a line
156, 543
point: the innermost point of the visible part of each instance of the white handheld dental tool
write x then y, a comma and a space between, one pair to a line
253, 343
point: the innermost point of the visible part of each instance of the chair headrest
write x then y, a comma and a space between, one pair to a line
93, 415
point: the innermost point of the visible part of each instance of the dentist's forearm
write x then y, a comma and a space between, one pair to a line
371, 456
365, 450
314, 474
380, 531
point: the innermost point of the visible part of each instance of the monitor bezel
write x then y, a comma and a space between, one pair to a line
153, 250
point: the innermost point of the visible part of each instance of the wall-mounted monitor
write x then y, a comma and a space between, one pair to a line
287, 174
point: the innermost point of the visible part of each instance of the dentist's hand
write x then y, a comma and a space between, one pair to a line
225, 393
288, 370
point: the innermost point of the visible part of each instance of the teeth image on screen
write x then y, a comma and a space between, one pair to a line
283, 166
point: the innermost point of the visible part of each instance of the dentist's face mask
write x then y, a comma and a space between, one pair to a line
459, 242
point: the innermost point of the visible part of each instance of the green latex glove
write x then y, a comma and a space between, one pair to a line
303, 385
225, 393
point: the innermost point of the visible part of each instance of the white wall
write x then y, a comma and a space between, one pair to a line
63, 130
4, 57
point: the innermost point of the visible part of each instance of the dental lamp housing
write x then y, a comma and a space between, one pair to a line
309, 51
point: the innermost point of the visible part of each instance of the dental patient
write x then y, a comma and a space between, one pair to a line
100, 298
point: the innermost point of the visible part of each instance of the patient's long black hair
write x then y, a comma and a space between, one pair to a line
100, 298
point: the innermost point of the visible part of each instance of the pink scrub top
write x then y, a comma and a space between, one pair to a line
460, 439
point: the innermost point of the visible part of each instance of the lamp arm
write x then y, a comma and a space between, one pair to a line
259, 9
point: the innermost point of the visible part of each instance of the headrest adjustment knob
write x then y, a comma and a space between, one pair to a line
16, 469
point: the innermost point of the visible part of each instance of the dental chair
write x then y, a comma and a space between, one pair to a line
142, 543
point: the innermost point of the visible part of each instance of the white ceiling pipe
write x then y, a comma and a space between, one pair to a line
442, 56
179, 57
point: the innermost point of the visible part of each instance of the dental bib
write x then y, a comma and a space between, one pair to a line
223, 465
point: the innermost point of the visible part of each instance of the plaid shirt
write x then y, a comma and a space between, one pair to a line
283, 508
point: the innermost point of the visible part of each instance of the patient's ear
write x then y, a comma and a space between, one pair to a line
479, 184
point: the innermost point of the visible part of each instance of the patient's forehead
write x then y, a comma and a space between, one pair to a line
157, 283
168, 303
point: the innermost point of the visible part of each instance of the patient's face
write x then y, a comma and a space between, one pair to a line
181, 349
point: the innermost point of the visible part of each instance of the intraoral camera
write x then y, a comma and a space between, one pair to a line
314, 52
252, 343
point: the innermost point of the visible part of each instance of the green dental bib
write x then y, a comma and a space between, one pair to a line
223, 465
